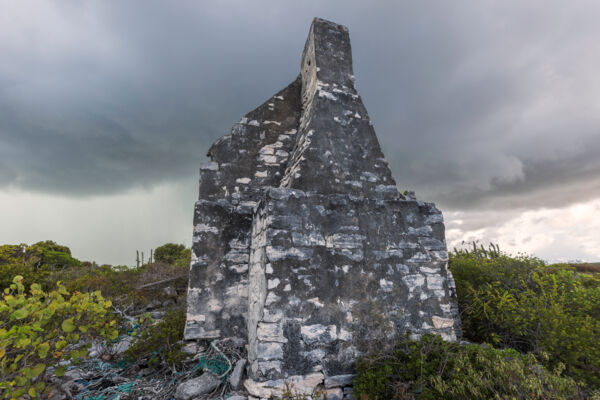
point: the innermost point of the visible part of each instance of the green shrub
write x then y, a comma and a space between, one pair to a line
47, 262
39, 329
29, 274
520, 302
121, 283
173, 254
431, 368
12, 254
112, 282
160, 343
40, 263
47, 254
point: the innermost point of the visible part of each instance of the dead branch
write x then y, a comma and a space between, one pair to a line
159, 282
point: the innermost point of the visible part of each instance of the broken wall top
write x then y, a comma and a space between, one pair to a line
299, 221
336, 148
315, 135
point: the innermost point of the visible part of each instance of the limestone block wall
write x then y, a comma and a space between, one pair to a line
299, 227
316, 259
252, 156
336, 148
218, 299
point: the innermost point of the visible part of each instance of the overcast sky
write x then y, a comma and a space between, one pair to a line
491, 109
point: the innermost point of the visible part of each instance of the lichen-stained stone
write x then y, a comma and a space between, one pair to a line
320, 313
339, 381
230, 187
336, 149
301, 385
299, 227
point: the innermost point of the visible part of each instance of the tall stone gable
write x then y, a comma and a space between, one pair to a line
299, 223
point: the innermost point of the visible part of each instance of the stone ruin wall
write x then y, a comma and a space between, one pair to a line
316, 259
299, 223
252, 157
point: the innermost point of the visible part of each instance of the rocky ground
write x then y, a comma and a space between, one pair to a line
211, 370
214, 371
101, 378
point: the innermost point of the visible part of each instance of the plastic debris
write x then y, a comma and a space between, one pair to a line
124, 380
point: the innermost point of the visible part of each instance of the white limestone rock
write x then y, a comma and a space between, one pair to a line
192, 388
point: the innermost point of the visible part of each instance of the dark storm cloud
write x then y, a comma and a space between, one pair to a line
476, 103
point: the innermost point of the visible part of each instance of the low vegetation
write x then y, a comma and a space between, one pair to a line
55, 306
46, 263
39, 329
520, 302
535, 329
160, 343
432, 369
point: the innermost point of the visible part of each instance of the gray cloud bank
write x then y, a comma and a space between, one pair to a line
477, 104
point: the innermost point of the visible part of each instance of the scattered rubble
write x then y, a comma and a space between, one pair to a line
235, 380
195, 387
208, 374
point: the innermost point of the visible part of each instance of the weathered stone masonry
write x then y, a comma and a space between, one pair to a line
253, 156
299, 221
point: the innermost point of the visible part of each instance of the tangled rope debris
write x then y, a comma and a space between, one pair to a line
95, 379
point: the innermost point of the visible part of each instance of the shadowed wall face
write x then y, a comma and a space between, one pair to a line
299, 224
252, 157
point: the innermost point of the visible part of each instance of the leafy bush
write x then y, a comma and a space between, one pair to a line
431, 368
47, 254
160, 343
173, 254
520, 302
39, 329
29, 273
125, 285
36, 263
47, 262
12, 253
112, 282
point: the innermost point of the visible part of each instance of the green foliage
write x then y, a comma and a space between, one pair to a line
49, 324
112, 282
122, 283
160, 343
173, 254
47, 262
519, 302
40, 328
47, 254
12, 254
28, 272
36, 263
431, 368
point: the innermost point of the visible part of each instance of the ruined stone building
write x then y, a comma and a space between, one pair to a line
299, 222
